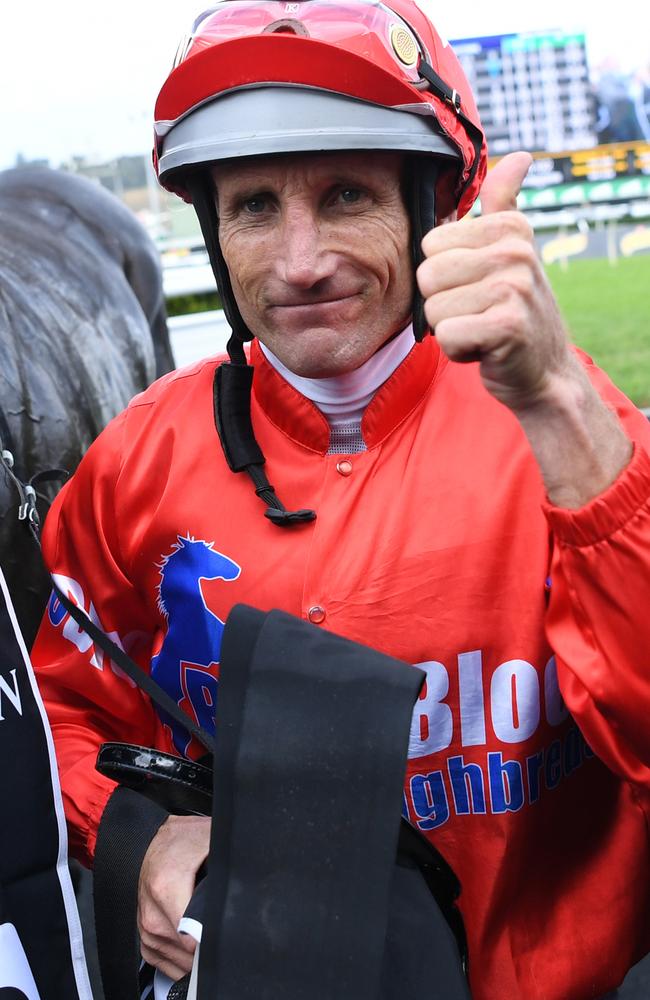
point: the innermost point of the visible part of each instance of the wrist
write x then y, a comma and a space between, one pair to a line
577, 440
561, 393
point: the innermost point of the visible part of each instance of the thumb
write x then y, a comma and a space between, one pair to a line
503, 183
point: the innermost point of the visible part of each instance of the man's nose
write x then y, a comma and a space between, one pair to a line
303, 257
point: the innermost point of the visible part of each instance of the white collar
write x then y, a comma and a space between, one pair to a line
343, 398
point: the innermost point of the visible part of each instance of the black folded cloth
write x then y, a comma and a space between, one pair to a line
316, 888
303, 897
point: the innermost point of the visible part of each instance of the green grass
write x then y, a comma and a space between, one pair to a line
607, 310
181, 305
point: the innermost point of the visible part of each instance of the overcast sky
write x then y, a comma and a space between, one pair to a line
81, 78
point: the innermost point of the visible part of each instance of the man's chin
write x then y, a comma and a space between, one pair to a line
315, 352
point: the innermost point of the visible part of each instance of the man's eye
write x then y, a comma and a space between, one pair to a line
350, 195
255, 205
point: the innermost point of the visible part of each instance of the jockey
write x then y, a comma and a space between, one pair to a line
250, 81
461, 488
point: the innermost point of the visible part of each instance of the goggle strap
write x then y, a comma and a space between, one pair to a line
438, 86
442, 90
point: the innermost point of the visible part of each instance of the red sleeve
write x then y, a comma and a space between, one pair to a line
598, 621
87, 700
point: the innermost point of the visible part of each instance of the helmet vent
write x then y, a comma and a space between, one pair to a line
286, 26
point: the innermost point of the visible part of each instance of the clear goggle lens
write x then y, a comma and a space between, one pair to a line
358, 25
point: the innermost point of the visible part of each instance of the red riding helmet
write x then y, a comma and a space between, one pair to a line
244, 77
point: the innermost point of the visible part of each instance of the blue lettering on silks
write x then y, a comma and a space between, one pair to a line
467, 786
55, 610
506, 784
498, 786
430, 800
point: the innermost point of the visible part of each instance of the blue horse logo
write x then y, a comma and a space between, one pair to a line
192, 645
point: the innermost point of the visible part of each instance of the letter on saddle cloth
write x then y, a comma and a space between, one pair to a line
41, 954
303, 897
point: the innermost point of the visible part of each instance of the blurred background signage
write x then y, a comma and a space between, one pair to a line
537, 91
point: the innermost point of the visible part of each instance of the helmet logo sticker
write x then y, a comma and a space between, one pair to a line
292, 8
404, 45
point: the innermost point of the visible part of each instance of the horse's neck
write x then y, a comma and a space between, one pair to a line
194, 610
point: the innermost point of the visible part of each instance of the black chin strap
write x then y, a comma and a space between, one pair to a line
201, 188
421, 194
232, 416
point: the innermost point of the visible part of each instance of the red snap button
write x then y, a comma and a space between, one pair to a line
344, 468
316, 615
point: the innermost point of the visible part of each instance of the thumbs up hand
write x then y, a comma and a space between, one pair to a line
488, 300
487, 297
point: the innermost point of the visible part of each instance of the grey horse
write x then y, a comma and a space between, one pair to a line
82, 330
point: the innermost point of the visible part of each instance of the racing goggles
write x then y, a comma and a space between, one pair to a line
366, 27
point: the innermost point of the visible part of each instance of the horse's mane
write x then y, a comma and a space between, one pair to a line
184, 543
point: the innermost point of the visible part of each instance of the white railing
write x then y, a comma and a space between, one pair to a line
197, 335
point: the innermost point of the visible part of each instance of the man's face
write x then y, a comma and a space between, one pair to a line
318, 250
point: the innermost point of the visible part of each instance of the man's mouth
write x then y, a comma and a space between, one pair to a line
321, 303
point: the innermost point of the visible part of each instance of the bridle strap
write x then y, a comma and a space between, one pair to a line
28, 513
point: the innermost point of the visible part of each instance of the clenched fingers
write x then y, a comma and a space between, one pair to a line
508, 258
167, 950
479, 232
167, 881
